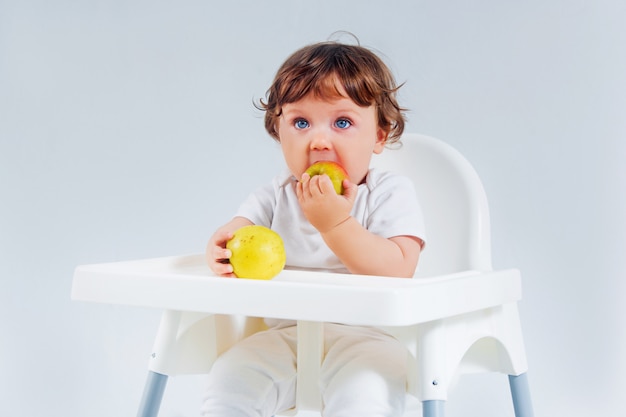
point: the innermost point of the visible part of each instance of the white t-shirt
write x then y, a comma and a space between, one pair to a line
386, 205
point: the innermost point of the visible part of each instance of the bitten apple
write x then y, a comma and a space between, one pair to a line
257, 252
335, 172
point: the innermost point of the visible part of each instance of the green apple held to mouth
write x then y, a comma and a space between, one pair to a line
335, 172
257, 252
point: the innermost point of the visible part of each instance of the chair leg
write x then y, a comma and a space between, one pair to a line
520, 392
433, 408
152, 395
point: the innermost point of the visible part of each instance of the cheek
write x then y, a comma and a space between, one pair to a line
295, 158
357, 164
289, 147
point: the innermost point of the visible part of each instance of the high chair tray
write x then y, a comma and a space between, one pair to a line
186, 283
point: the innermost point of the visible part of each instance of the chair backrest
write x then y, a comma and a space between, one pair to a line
453, 200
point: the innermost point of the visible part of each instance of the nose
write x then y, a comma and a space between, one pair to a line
321, 141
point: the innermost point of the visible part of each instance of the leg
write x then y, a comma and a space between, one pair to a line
255, 377
521, 395
433, 408
363, 373
152, 395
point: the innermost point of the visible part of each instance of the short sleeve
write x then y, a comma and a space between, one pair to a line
259, 206
393, 206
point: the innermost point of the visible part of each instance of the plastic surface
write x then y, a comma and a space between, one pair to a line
453, 200
186, 284
310, 355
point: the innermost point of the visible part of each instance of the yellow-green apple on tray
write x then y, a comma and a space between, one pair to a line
257, 252
335, 172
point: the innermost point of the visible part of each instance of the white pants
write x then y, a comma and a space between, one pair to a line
363, 374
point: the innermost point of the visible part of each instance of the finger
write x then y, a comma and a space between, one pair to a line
316, 186
350, 190
223, 269
299, 186
222, 237
221, 254
306, 183
326, 185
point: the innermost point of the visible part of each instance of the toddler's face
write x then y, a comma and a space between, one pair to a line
314, 129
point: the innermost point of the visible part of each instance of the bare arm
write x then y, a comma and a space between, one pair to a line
363, 252
217, 255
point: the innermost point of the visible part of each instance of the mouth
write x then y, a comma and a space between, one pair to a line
323, 158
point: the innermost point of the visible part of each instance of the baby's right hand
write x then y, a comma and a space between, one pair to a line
217, 255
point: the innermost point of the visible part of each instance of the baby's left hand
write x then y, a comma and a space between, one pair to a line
321, 205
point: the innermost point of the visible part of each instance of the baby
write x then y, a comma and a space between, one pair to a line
328, 102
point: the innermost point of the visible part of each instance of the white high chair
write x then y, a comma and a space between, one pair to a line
457, 315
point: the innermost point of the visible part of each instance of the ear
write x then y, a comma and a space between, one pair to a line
381, 139
274, 133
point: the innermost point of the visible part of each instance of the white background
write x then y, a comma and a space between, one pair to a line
127, 130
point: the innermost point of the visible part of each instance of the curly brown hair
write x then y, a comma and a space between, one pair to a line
320, 67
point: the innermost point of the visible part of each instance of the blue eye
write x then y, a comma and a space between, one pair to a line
343, 123
301, 124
